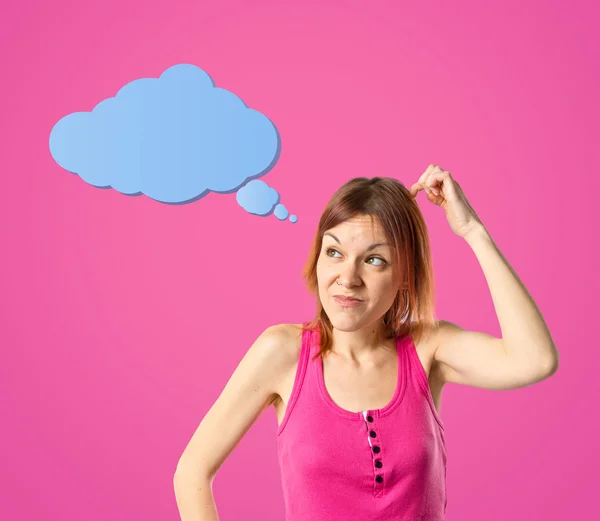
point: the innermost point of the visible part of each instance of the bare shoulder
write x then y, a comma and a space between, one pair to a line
426, 347
286, 339
289, 343
286, 330
277, 346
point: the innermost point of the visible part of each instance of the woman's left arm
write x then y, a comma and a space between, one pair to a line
526, 352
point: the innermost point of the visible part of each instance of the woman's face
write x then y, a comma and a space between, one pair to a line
367, 274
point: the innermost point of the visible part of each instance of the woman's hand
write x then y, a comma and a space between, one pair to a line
444, 191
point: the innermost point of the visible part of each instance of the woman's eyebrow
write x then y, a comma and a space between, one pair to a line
372, 247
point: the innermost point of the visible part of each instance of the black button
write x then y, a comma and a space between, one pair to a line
373, 434
370, 418
378, 464
376, 449
379, 479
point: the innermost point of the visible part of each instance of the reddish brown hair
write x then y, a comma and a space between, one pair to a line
389, 202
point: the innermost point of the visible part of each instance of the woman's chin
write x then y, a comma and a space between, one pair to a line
344, 321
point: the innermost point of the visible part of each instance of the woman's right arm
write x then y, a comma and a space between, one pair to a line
248, 393
194, 496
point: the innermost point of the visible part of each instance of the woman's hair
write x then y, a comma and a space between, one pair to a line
389, 202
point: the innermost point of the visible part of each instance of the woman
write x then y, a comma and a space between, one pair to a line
357, 390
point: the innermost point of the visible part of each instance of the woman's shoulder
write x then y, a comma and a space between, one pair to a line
288, 341
286, 330
287, 338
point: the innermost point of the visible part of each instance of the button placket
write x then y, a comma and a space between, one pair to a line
372, 438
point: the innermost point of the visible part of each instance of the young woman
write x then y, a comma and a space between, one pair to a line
357, 390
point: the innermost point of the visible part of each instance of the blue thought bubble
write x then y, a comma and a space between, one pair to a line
175, 139
258, 198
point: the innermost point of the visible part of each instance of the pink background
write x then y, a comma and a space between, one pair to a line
123, 318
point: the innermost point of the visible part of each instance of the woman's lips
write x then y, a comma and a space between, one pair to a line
347, 302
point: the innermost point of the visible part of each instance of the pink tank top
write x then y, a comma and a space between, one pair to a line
375, 465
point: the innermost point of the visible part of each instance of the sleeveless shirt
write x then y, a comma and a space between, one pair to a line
384, 464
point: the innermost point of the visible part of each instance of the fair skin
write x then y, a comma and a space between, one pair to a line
350, 268
523, 355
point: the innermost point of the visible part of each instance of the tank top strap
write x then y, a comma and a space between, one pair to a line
417, 377
302, 368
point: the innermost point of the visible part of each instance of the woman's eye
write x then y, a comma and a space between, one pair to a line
328, 251
379, 259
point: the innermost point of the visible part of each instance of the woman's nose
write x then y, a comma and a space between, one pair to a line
349, 277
